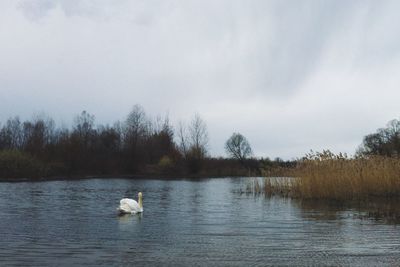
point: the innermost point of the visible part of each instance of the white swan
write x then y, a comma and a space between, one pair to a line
127, 205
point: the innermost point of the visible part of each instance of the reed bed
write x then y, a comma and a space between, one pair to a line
254, 186
336, 176
270, 186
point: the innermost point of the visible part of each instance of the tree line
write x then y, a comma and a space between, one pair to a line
138, 145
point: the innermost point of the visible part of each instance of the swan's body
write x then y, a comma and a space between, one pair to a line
127, 205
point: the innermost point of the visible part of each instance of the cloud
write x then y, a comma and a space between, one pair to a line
291, 76
136, 11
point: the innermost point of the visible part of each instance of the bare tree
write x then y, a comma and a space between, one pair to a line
119, 130
136, 131
192, 141
34, 136
136, 124
11, 135
84, 127
38, 133
238, 147
198, 137
183, 139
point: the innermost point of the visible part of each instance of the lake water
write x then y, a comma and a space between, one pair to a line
185, 223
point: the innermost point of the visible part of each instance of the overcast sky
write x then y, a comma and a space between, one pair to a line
289, 75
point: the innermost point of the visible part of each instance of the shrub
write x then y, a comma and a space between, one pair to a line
166, 164
16, 164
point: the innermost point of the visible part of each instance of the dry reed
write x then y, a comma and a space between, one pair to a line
329, 176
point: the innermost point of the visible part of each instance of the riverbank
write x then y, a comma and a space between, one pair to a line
16, 166
20, 166
125, 176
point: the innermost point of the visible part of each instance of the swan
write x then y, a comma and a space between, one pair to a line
127, 205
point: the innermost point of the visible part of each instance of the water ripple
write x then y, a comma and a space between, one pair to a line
185, 223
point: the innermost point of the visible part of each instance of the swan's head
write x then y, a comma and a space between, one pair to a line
140, 199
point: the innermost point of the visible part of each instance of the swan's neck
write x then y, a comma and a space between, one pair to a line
140, 202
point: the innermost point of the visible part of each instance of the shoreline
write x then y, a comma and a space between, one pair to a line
118, 176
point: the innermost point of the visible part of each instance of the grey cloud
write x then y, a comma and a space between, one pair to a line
262, 43
36, 9
290, 75
135, 11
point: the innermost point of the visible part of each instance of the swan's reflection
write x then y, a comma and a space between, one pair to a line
129, 222
126, 220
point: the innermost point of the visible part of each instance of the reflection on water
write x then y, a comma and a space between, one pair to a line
379, 209
187, 223
128, 218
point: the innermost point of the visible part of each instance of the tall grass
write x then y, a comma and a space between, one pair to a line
329, 176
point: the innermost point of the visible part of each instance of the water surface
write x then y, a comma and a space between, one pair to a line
185, 223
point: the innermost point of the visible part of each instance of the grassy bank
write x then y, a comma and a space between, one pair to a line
329, 176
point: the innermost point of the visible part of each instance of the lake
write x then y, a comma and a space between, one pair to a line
185, 223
